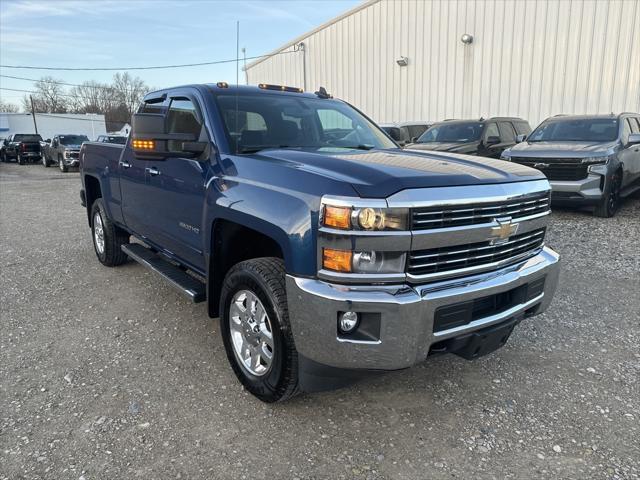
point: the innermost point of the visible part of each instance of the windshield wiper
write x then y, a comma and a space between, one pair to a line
356, 147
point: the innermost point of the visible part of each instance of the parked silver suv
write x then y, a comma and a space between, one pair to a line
589, 159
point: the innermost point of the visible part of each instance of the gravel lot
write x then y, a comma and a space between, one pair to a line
110, 374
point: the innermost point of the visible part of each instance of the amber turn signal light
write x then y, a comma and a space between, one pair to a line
143, 144
336, 260
337, 217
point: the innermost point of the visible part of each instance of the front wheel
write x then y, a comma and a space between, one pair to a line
610, 202
45, 162
62, 166
255, 328
20, 160
107, 237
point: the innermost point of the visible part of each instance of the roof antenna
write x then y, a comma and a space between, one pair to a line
322, 93
237, 139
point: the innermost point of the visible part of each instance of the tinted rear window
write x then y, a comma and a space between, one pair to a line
27, 138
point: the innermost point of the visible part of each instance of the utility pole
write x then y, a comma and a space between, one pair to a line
33, 114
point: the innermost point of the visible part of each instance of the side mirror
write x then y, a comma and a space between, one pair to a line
521, 138
414, 139
634, 139
48, 140
149, 140
492, 140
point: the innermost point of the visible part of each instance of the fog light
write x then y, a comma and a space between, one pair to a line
348, 322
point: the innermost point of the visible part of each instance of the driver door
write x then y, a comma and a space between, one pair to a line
176, 186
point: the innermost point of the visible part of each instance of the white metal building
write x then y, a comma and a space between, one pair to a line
527, 58
50, 124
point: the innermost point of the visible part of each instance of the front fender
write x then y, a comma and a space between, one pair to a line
289, 217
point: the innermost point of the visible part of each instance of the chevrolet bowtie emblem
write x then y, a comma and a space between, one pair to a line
540, 165
504, 229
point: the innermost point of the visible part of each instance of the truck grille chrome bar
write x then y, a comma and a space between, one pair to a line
449, 259
426, 218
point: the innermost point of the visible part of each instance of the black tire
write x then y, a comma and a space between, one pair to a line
610, 202
45, 162
61, 165
20, 160
3, 157
113, 236
264, 277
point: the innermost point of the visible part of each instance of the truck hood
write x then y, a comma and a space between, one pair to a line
380, 173
561, 149
457, 147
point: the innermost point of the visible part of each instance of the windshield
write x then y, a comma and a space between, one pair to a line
27, 138
581, 130
284, 121
457, 132
73, 139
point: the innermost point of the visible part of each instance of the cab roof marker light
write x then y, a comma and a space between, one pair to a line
222, 85
282, 88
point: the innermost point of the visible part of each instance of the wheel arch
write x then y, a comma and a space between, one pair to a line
232, 242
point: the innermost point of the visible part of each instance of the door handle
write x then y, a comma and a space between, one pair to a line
125, 164
152, 171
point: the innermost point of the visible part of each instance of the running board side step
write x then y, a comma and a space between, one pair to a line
179, 279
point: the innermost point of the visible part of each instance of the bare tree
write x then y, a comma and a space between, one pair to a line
7, 107
49, 97
130, 90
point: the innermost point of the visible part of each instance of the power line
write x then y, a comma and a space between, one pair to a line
154, 67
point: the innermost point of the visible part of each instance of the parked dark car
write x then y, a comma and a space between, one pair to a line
23, 147
117, 139
590, 160
324, 249
486, 138
63, 150
405, 132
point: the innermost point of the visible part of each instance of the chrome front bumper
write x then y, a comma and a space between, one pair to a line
405, 313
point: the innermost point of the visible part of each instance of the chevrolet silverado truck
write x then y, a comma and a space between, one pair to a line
326, 251
24, 147
63, 150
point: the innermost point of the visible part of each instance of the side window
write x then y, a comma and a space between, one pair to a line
635, 124
183, 117
507, 133
416, 130
491, 131
626, 130
522, 128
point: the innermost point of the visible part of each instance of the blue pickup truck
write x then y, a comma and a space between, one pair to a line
326, 251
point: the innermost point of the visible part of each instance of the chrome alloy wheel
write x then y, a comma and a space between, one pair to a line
251, 333
98, 233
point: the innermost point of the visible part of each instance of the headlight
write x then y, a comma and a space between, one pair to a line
365, 218
597, 160
346, 261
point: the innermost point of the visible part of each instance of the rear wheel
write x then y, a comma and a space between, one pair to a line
610, 202
255, 328
20, 160
45, 162
107, 238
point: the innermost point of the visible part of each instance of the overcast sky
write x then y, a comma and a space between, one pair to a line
119, 33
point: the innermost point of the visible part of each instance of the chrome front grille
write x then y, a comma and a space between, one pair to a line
426, 218
488, 254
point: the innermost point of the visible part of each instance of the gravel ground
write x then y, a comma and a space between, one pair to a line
110, 374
